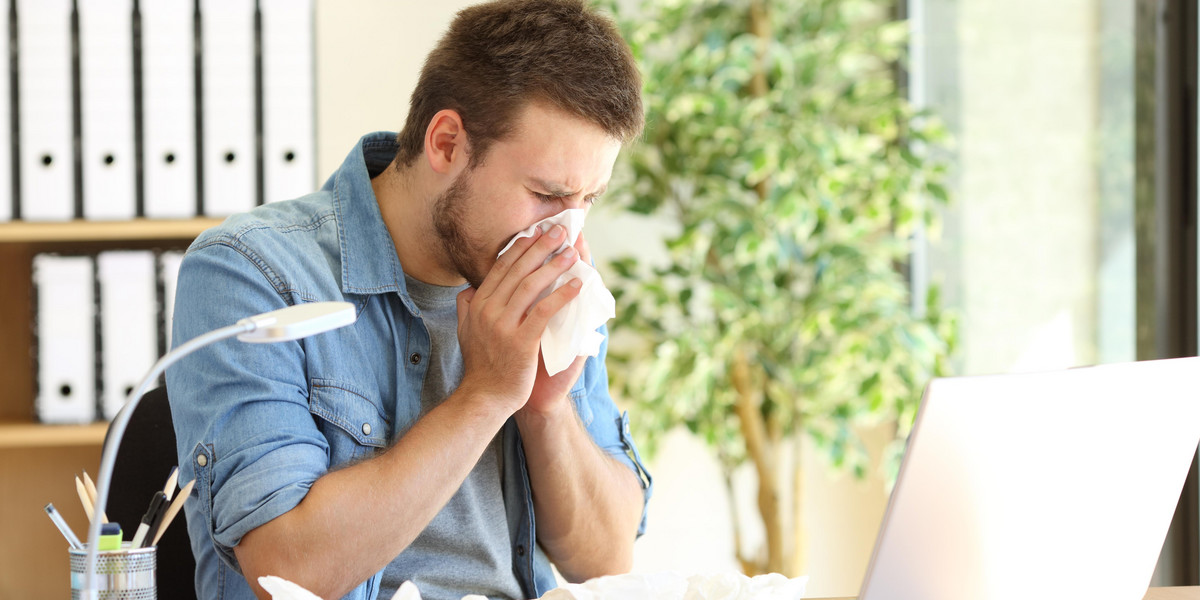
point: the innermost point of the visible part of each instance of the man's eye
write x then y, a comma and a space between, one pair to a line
545, 197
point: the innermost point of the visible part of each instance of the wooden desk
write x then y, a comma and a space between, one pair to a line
1167, 593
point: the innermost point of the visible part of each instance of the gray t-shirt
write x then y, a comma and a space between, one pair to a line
466, 548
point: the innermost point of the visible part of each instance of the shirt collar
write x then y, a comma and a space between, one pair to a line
369, 261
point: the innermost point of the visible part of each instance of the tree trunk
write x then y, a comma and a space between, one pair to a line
764, 457
798, 561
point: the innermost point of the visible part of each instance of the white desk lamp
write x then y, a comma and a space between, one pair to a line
283, 325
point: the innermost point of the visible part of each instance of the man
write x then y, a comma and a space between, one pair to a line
425, 442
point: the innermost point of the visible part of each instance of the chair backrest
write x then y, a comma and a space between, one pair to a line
144, 462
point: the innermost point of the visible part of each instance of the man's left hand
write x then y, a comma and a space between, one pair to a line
548, 390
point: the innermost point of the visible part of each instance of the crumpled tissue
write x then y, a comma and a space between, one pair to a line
673, 586
282, 589
572, 331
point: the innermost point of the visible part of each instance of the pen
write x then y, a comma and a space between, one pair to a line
172, 511
152, 513
91, 490
63, 527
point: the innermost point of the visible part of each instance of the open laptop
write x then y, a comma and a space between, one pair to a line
1048, 485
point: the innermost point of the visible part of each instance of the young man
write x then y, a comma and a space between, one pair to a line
425, 442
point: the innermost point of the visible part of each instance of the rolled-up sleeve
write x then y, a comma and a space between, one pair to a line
244, 405
609, 427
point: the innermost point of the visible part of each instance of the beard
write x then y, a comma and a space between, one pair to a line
460, 251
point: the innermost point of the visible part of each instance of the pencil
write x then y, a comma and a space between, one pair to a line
172, 511
91, 489
169, 489
83, 498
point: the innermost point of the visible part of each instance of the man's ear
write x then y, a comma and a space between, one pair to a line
446, 142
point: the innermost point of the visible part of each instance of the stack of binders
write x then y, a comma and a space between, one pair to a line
100, 323
155, 108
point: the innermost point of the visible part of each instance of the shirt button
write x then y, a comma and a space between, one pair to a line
414, 358
521, 550
201, 460
366, 429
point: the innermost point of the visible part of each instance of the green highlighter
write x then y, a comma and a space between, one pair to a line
110, 537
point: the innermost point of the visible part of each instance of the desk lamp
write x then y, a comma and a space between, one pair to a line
283, 325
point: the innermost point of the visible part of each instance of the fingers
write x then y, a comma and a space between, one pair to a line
585, 251
547, 307
531, 287
530, 261
505, 262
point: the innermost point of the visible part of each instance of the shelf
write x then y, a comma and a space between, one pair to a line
104, 231
39, 435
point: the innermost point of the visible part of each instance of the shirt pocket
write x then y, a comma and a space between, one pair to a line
353, 424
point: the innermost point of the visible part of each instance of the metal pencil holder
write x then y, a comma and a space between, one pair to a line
125, 574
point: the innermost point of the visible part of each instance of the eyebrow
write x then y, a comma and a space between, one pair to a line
561, 190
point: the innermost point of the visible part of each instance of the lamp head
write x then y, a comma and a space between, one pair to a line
295, 322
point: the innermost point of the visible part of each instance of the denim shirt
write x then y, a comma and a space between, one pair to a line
257, 424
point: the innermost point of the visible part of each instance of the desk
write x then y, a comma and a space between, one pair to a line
1166, 593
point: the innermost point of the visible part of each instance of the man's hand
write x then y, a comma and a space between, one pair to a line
500, 324
549, 391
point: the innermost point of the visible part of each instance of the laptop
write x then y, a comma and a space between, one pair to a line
1044, 485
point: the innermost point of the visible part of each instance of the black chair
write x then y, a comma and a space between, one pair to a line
144, 462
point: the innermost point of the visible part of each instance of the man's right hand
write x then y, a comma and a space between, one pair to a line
500, 324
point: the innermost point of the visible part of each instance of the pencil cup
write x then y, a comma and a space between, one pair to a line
125, 574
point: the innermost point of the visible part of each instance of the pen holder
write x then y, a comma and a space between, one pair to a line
125, 574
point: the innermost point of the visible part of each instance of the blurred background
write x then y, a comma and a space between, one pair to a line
1048, 206
834, 201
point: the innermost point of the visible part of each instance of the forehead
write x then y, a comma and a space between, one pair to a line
552, 145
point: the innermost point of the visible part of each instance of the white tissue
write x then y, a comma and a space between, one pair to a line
663, 585
572, 332
672, 586
408, 591
282, 589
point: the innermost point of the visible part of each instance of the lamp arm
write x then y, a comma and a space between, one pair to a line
116, 431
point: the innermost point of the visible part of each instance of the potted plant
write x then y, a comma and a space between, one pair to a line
781, 144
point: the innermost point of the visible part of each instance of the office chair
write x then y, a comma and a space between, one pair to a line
144, 462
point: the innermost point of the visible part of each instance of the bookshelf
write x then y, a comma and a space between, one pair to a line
38, 462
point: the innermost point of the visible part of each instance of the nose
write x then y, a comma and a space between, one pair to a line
576, 201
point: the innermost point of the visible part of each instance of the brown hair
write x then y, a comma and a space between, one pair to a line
500, 55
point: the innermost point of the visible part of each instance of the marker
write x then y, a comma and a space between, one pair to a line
110, 537
63, 527
152, 512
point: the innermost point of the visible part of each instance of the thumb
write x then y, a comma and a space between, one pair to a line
464, 304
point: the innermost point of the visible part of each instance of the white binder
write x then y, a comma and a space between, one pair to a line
65, 327
289, 167
168, 108
169, 274
46, 119
6, 197
128, 323
106, 96
230, 176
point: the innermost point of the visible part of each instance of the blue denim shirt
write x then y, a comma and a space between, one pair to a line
257, 424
